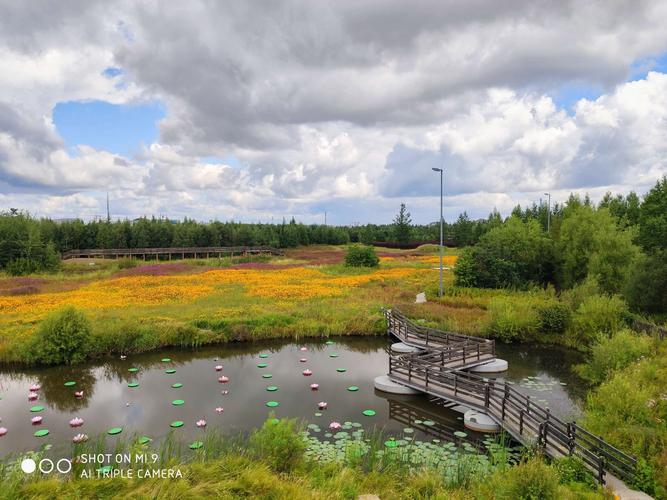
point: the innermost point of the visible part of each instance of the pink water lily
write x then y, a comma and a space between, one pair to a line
307, 373
314, 386
32, 396
3, 431
80, 438
36, 420
303, 360
78, 394
223, 379
76, 422
201, 423
218, 368
224, 393
34, 388
322, 405
219, 409
334, 426
303, 349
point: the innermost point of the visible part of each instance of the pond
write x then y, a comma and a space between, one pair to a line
148, 394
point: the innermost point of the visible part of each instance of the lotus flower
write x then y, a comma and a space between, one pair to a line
201, 423
303, 360
78, 394
224, 393
218, 368
80, 438
334, 426
32, 396
219, 409
122, 356
303, 349
36, 420
76, 422
322, 405
3, 431
314, 386
223, 379
34, 388
307, 373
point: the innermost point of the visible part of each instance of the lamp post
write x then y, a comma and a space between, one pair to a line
548, 213
441, 233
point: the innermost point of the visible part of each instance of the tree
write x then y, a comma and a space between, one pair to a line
646, 288
653, 218
402, 225
463, 230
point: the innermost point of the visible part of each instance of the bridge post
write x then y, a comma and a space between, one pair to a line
521, 421
601, 471
505, 396
427, 378
486, 395
572, 428
478, 351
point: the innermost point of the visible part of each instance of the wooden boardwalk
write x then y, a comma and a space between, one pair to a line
168, 253
526, 421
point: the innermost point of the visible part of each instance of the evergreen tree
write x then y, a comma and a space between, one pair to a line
402, 225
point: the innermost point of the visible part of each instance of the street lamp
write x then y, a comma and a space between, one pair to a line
548, 213
441, 233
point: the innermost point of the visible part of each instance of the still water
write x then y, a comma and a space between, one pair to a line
140, 394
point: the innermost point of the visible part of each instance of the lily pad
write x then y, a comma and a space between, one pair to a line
178, 402
177, 385
35, 409
460, 434
318, 414
262, 365
263, 355
170, 371
272, 388
333, 355
272, 404
70, 383
267, 375
115, 430
133, 384
353, 388
196, 445
429, 423
391, 444
144, 440
41, 433
176, 423
369, 413
330, 342
166, 360
341, 370
133, 370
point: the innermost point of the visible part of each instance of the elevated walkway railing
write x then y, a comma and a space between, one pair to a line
169, 251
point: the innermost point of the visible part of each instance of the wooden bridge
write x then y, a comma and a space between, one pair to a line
169, 253
438, 372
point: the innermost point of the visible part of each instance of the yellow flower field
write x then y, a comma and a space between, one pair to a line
447, 260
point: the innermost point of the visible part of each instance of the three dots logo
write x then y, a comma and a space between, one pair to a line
46, 466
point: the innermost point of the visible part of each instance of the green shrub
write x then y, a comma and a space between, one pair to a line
573, 470
554, 318
512, 319
361, 256
531, 480
646, 287
614, 353
279, 444
598, 314
62, 337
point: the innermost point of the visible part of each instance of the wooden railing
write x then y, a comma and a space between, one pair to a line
169, 251
517, 413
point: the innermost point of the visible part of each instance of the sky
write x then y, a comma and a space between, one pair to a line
255, 111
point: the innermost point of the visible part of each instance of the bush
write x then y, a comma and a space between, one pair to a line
64, 336
573, 470
614, 353
512, 319
646, 287
531, 480
554, 318
361, 256
598, 314
279, 444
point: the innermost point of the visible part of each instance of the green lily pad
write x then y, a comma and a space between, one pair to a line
170, 371
166, 360
272, 388
429, 423
133, 384
272, 404
267, 375
177, 385
263, 355
460, 434
178, 402
353, 388
196, 445
318, 414
391, 444
341, 370
144, 440
70, 383
330, 342
333, 355
133, 370
176, 423
41, 433
262, 365
115, 430
35, 409
369, 413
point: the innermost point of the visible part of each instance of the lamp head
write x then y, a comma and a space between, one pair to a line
436, 169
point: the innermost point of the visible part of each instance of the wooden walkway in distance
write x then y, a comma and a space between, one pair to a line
169, 252
526, 421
